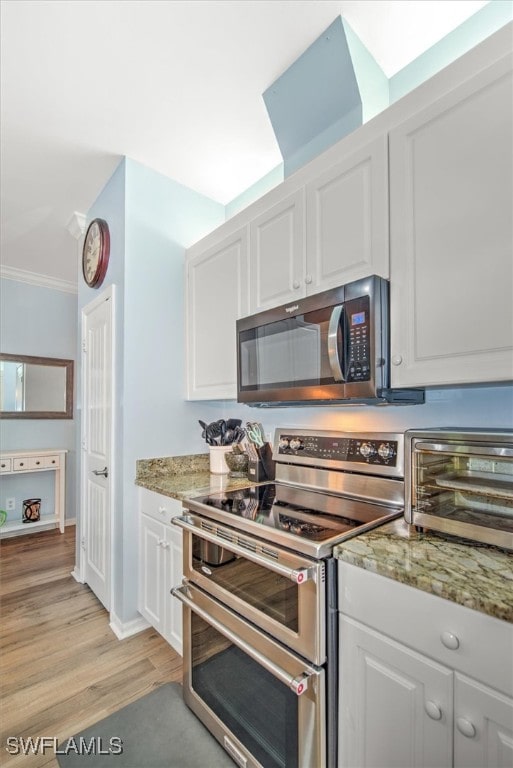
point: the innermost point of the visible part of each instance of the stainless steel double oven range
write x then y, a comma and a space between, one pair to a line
259, 593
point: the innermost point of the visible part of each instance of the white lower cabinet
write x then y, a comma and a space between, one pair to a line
423, 682
396, 705
483, 734
160, 565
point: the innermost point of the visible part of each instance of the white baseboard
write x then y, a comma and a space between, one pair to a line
77, 575
127, 628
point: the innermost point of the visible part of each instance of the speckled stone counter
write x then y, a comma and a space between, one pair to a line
183, 477
474, 575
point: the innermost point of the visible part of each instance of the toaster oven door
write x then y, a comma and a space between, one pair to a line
463, 490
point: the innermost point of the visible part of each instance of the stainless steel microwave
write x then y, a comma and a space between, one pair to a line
329, 348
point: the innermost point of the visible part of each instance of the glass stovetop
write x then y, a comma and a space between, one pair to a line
311, 515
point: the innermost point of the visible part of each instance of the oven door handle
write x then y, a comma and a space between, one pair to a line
297, 684
297, 575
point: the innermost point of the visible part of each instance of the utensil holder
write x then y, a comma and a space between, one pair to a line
261, 468
218, 465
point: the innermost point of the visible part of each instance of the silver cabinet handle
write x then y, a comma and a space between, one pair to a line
333, 357
433, 710
104, 472
465, 727
297, 684
297, 575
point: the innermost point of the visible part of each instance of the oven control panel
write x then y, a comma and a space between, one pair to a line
312, 448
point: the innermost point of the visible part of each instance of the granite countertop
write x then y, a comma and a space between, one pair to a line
477, 576
183, 477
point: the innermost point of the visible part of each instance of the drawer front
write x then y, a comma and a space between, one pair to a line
50, 462
162, 508
5, 465
461, 638
30, 463
24, 464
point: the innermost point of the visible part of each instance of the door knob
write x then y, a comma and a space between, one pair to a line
103, 472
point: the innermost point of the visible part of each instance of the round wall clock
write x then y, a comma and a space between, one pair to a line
95, 254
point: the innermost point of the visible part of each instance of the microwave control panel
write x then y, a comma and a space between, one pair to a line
357, 339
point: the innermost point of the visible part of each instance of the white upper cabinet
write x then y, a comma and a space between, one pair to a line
277, 248
347, 219
216, 296
331, 230
451, 208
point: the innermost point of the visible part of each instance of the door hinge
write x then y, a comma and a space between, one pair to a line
83, 542
84, 345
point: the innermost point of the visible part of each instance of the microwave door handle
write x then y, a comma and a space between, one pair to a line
297, 684
333, 356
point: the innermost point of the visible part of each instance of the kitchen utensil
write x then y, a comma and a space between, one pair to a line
255, 433
213, 433
227, 438
239, 433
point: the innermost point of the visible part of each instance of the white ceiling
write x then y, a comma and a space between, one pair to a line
173, 84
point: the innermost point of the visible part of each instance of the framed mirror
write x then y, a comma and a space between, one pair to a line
35, 387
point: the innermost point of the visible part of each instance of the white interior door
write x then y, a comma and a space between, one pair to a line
96, 442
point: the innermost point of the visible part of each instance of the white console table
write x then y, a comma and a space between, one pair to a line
23, 462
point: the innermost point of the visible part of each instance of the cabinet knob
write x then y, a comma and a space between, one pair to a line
450, 641
433, 710
296, 284
397, 360
308, 279
162, 510
465, 727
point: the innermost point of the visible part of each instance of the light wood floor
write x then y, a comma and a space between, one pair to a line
61, 667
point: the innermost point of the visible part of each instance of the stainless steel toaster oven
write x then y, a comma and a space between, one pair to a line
460, 482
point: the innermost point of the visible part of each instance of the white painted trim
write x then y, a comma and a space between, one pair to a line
77, 575
128, 628
34, 278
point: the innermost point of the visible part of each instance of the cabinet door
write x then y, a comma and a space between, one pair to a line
151, 573
277, 263
347, 219
483, 733
217, 295
395, 705
451, 206
174, 573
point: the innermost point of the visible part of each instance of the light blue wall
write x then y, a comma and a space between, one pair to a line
152, 219
373, 89
41, 322
469, 34
110, 205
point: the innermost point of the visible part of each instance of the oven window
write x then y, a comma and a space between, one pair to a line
268, 592
257, 708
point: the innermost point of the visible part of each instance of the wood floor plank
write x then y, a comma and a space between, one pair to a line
62, 669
